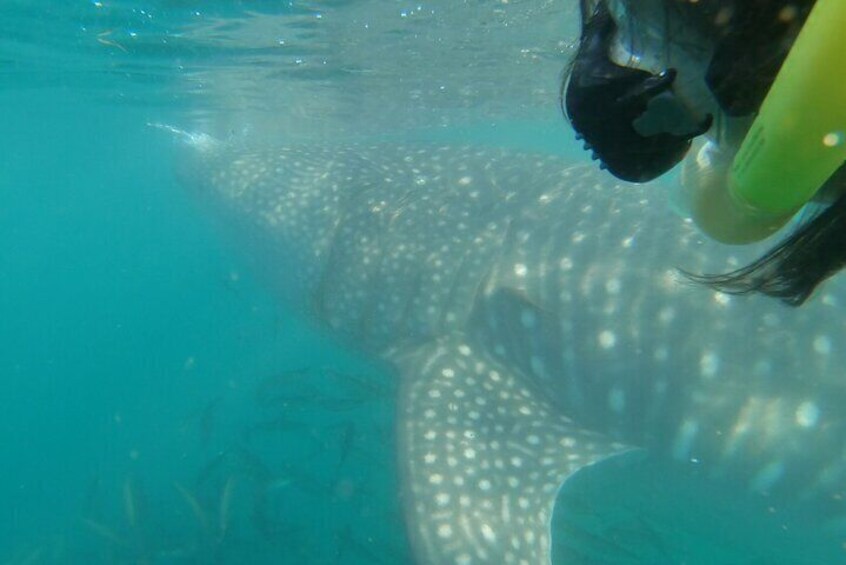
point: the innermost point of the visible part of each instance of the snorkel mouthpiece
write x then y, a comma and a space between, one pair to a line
794, 145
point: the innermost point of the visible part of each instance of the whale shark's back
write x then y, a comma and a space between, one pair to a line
395, 242
538, 325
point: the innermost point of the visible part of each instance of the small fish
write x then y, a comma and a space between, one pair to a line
130, 503
104, 531
225, 507
194, 505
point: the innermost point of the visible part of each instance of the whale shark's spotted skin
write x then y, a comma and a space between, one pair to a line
538, 327
472, 430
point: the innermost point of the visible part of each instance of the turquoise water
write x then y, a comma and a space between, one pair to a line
145, 372
159, 405
132, 347
147, 376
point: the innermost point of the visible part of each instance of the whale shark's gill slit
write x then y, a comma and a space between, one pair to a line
471, 494
471, 275
509, 323
345, 293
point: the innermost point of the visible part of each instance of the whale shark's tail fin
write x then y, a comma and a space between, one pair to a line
483, 457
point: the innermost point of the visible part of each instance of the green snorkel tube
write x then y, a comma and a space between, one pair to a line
797, 141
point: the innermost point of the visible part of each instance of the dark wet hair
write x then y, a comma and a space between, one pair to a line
751, 49
797, 265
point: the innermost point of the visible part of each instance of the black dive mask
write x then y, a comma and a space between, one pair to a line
604, 101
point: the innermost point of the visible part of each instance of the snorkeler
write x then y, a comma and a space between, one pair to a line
761, 83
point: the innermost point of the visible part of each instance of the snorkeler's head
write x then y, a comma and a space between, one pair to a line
651, 75
626, 108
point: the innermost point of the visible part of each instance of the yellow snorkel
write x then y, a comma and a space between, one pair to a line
797, 141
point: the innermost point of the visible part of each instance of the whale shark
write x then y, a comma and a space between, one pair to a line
535, 320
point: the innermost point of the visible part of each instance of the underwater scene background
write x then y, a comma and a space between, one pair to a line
159, 404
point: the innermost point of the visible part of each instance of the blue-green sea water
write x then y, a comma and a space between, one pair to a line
158, 404
132, 347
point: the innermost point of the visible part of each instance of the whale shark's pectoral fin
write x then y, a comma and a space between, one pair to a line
483, 457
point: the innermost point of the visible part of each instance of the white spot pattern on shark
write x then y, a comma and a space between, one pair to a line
537, 326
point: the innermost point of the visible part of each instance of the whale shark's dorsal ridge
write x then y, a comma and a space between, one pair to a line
534, 318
